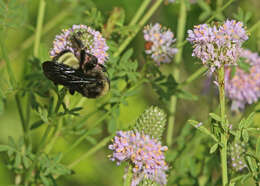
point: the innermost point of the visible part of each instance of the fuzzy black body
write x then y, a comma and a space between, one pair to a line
92, 83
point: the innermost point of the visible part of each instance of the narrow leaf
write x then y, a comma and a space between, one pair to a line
204, 130
215, 117
213, 148
36, 124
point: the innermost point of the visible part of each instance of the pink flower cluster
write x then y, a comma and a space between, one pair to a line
159, 43
244, 87
93, 41
144, 153
218, 45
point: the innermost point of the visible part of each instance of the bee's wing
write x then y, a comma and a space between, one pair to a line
65, 75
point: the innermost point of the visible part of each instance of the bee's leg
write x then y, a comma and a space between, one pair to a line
72, 91
82, 57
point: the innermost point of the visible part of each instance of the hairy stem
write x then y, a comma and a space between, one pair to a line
139, 12
146, 17
176, 70
39, 27
223, 150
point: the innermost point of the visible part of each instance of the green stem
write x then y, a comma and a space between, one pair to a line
139, 12
40, 147
219, 4
100, 145
223, 150
28, 116
20, 111
139, 26
46, 28
129, 176
83, 137
176, 70
39, 28
54, 137
194, 76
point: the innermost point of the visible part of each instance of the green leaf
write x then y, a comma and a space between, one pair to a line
92, 140
45, 180
238, 178
233, 71
201, 128
215, 117
126, 56
249, 120
5, 148
213, 148
94, 131
112, 125
26, 162
241, 124
36, 124
245, 135
44, 115
58, 157
242, 64
18, 160
11, 142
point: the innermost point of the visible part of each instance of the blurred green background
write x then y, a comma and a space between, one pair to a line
98, 169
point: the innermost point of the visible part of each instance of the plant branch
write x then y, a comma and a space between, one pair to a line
176, 71
40, 19
139, 12
20, 111
223, 150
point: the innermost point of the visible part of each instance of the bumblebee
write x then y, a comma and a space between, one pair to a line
84, 75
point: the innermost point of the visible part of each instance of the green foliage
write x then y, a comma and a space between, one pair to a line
12, 14
76, 125
49, 168
243, 16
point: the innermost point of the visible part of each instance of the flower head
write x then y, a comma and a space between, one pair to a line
159, 43
217, 45
144, 153
244, 87
92, 40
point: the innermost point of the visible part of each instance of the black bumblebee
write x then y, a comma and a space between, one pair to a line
83, 75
